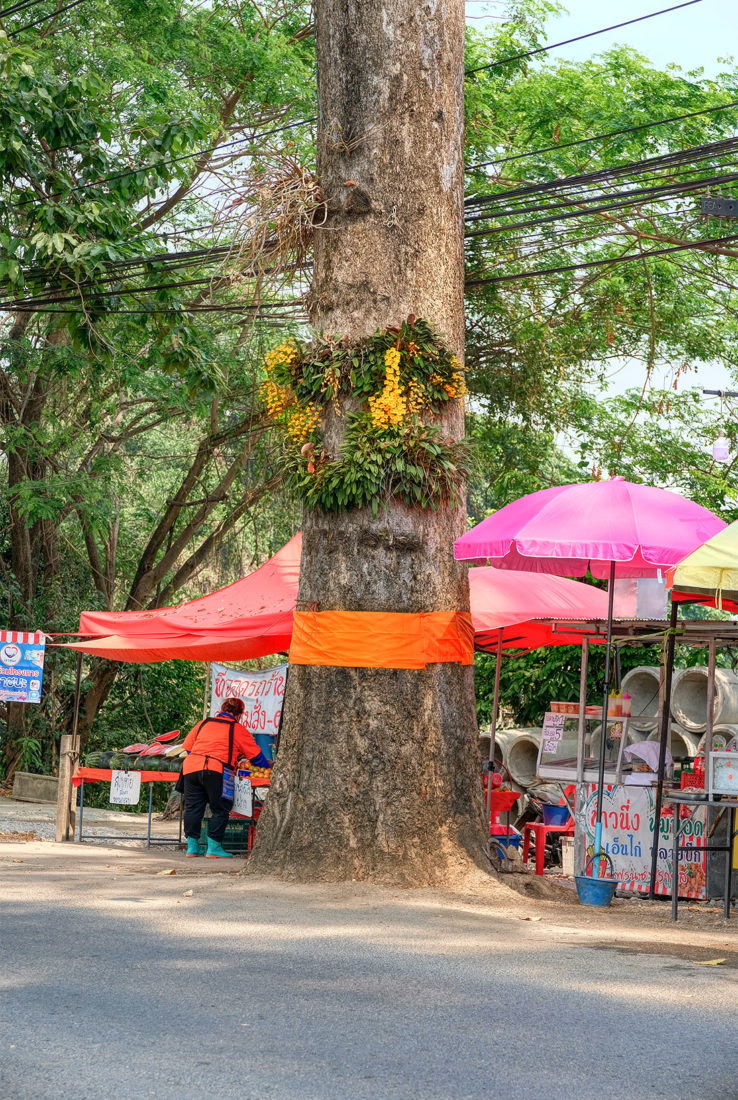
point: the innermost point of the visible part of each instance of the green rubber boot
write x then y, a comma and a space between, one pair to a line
215, 850
193, 847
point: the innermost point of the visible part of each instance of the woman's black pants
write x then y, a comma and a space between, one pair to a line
200, 790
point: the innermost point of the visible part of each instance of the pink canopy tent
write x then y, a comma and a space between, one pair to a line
253, 616
508, 606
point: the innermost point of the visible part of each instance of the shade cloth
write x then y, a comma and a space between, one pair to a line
709, 573
501, 598
574, 529
377, 639
105, 775
524, 637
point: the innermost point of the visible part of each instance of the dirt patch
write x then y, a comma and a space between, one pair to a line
17, 837
702, 956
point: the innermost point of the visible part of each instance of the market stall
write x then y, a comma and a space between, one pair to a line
610, 529
249, 619
639, 787
709, 575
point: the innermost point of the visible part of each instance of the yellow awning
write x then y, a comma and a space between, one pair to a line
711, 569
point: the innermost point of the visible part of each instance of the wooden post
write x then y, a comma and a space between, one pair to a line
64, 795
68, 757
711, 662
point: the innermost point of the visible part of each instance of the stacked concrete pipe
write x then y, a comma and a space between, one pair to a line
682, 742
689, 698
642, 684
721, 736
518, 750
522, 755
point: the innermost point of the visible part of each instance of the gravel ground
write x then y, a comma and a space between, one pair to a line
40, 818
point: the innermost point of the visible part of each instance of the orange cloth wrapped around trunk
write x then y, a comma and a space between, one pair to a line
381, 639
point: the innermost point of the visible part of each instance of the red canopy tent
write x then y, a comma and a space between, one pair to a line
250, 618
253, 616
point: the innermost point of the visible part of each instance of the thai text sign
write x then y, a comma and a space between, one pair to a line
21, 666
553, 731
262, 694
125, 788
243, 802
628, 815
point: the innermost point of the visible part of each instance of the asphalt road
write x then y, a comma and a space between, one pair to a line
116, 985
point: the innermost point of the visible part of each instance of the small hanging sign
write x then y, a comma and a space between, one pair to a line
720, 208
243, 802
125, 788
553, 729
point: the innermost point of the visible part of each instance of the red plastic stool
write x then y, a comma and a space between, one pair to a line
541, 831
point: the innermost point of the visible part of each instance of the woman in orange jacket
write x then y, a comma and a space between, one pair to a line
214, 746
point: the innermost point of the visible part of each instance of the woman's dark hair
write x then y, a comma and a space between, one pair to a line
233, 707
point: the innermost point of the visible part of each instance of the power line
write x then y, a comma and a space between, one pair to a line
670, 184
600, 263
598, 191
599, 137
602, 176
23, 5
45, 18
628, 198
580, 37
32, 306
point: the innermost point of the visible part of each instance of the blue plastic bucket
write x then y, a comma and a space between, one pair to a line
596, 891
502, 843
556, 815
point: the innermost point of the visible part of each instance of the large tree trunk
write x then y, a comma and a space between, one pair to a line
378, 775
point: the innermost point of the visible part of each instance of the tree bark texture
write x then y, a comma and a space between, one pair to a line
378, 775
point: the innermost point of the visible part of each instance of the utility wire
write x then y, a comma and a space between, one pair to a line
628, 198
45, 18
580, 37
603, 175
23, 5
600, 263
600, 137
670, 184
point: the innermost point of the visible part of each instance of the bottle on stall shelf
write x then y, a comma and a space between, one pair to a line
699, 769
627, 704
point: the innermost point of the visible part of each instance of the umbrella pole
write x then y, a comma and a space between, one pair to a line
665, 714
603, 735
493, 727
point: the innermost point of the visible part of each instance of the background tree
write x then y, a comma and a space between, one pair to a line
169, 254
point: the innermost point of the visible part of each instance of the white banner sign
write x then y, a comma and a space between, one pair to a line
628, 815
262, 694
243, 802
125, 788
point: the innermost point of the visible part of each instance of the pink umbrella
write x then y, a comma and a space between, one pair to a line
572, 529
609, 528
